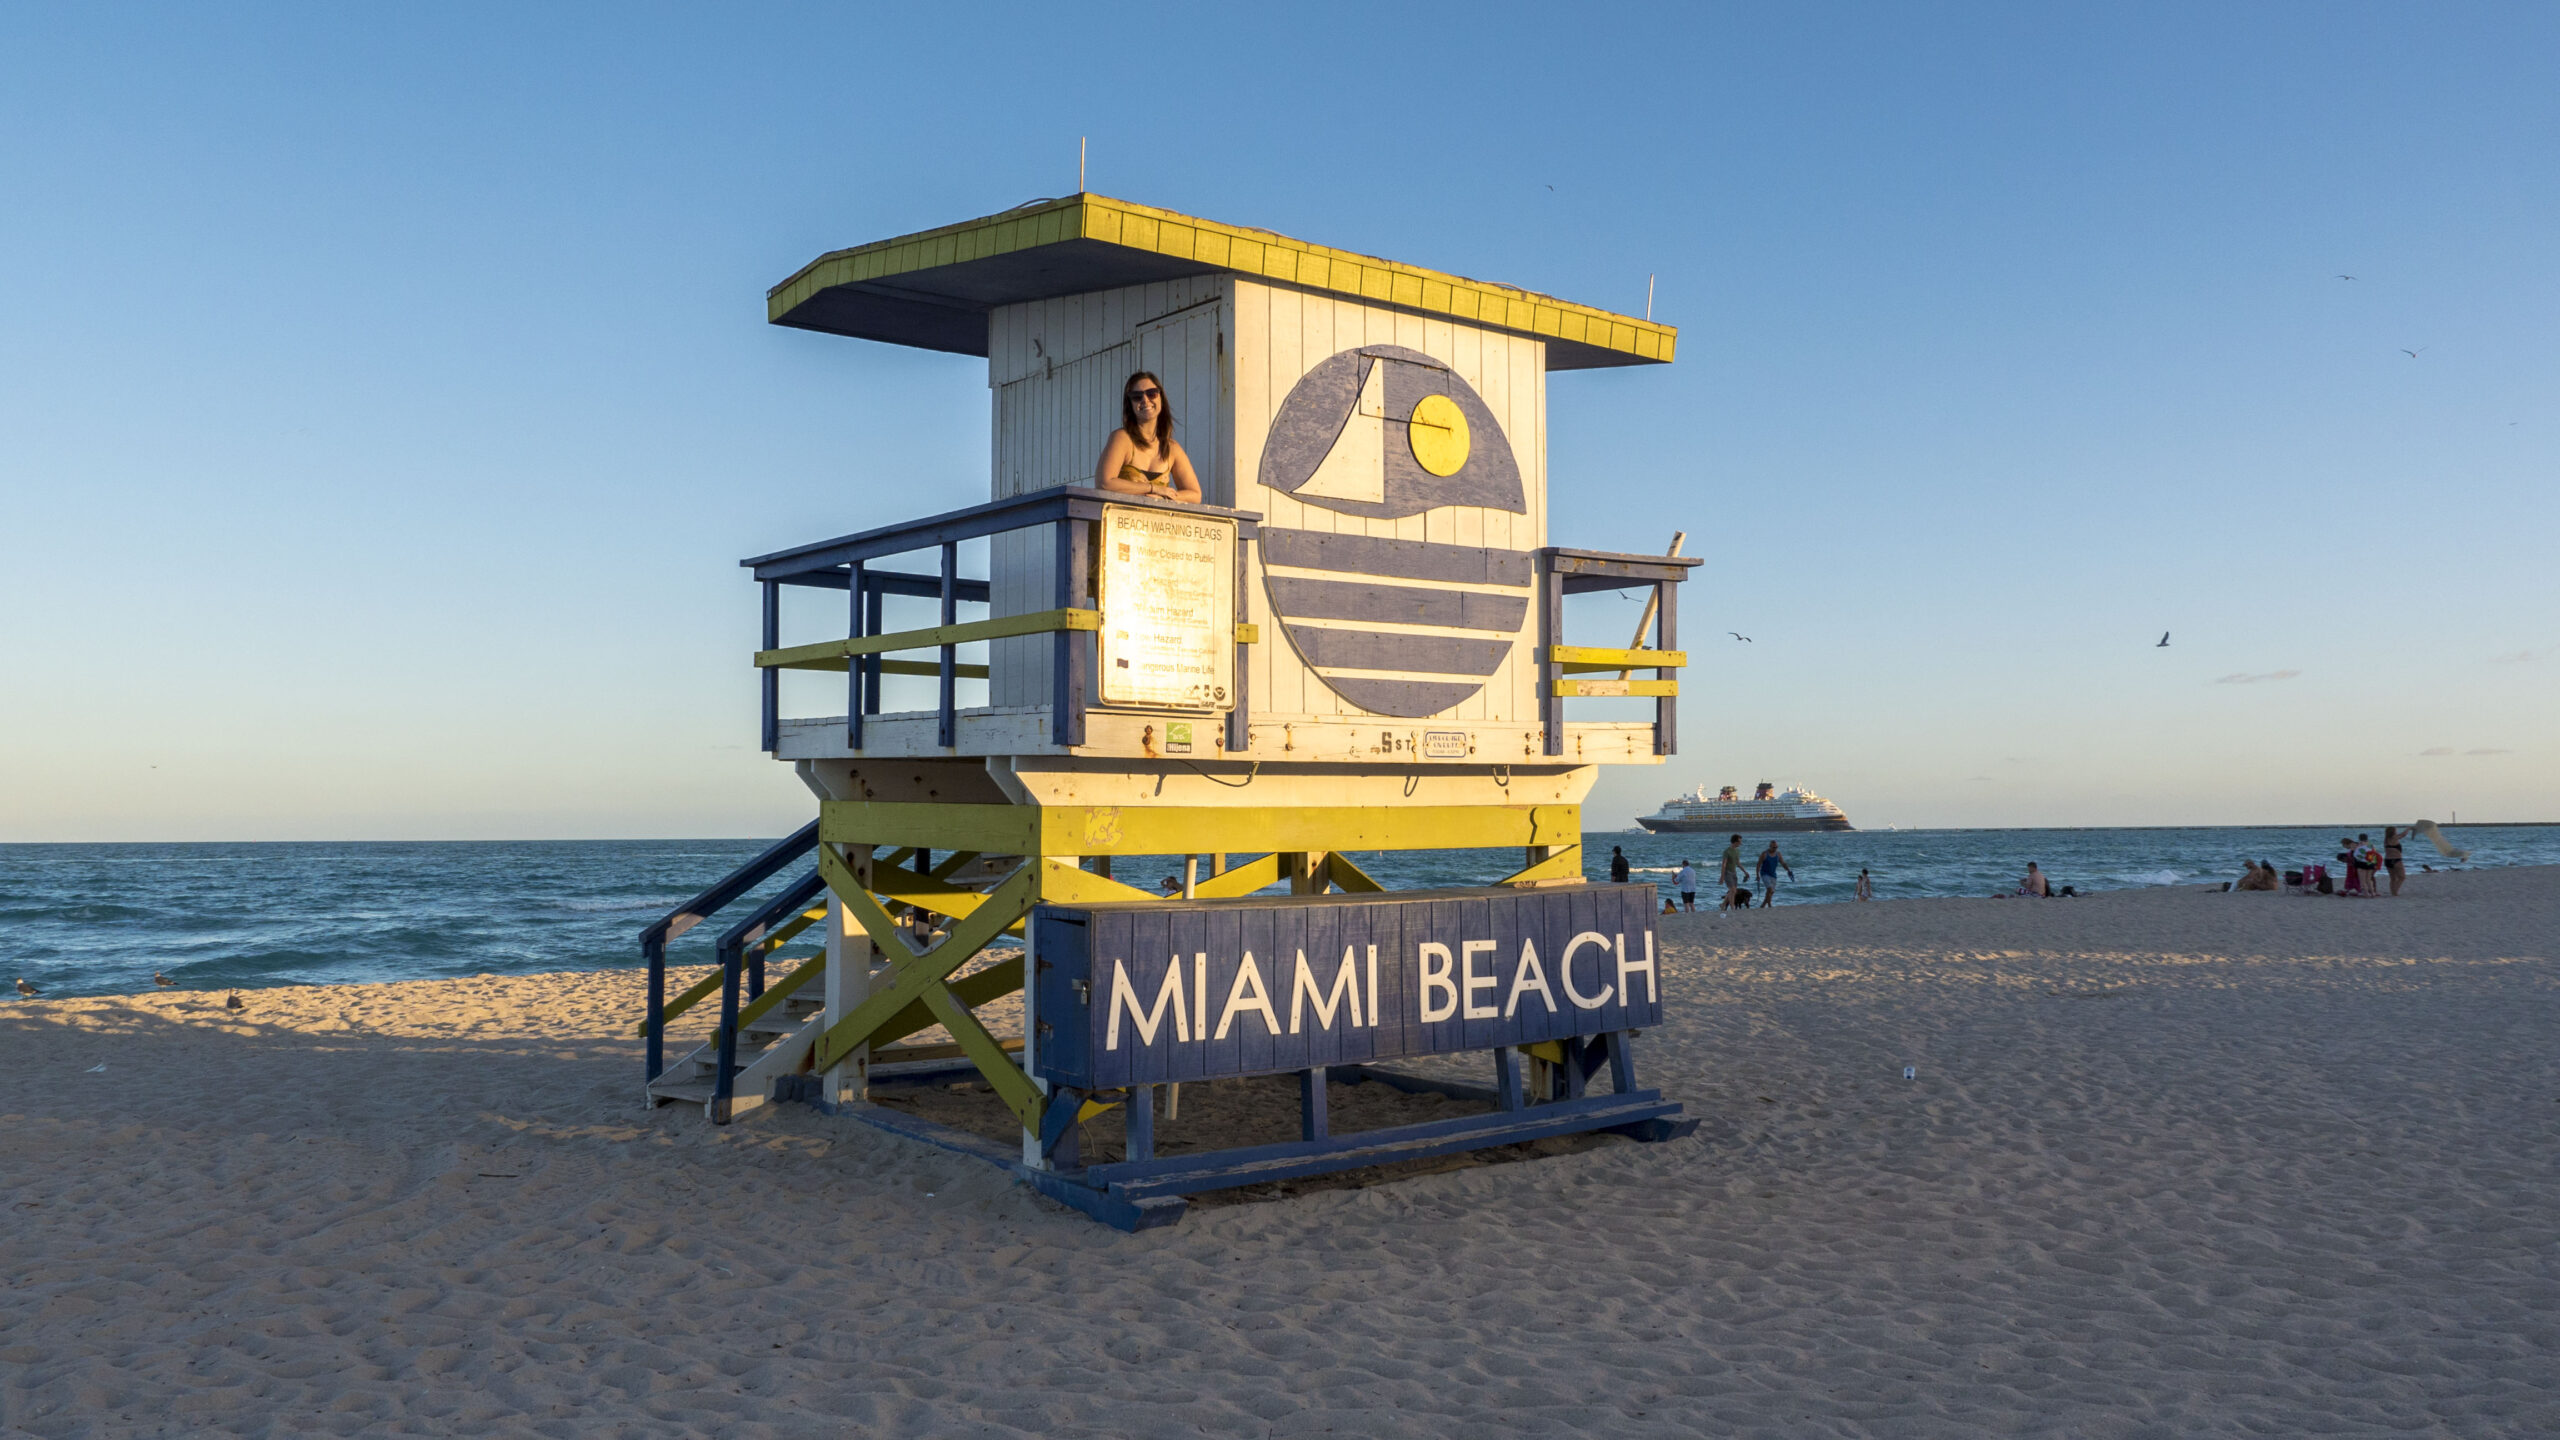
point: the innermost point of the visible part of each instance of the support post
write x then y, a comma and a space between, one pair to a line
1666, 636
848, 983
1141, 1111
1072, 654
1506, 1078
1622, 1065
724, 1077
771, 681
1550, 635
949, 702
856, 594
871, 663
654, 950
1313, 1119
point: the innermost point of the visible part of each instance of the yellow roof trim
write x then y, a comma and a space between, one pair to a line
1579, 335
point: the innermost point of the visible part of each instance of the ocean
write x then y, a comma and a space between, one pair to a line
100, 919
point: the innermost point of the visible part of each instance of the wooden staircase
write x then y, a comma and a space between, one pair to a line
773, 1044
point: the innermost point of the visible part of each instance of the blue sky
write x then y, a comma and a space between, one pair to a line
385, 398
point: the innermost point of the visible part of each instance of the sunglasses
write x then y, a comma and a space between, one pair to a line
1150, 393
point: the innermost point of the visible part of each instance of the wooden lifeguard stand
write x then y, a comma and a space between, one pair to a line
1354, 645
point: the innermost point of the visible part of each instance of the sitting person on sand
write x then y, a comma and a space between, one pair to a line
2261, 876
2034, 884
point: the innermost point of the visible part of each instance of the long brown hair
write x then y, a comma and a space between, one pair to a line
1164, 413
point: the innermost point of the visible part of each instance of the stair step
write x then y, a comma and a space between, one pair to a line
667, 1087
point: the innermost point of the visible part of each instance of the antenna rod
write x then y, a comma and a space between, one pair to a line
1648, 314
1648, 304
1678, 538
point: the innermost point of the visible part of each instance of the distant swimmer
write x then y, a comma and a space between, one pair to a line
2164, 641
157, 978
25, 990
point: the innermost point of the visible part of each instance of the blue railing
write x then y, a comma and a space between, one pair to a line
846, 563
654, 940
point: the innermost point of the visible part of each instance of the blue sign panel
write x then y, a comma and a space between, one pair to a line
1145, 993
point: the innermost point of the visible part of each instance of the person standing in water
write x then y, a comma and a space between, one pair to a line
1866, 885
1771, 862
1142, 457
1617, 865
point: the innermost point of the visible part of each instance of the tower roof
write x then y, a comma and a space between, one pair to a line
933, 289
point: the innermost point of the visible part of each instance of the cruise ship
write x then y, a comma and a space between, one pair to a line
1768, 811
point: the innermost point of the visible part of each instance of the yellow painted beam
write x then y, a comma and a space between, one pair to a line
1350, 877
1012, 1086
774, 994
1589, 657
1565, 864
1062, 883
692, 996
812, 657
1201, 829
1617, 687
1240, 880
1248, 633
973, 989
910, 973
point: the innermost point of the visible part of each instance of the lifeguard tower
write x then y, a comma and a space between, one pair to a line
1354, 645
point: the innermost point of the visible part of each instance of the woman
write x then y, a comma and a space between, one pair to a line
2392, 858
1142, 457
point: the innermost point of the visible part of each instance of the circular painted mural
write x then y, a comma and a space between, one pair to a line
1383, 432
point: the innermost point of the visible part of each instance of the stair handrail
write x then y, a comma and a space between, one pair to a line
653, 940
733, 961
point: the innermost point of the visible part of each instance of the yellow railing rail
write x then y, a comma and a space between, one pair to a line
832, 654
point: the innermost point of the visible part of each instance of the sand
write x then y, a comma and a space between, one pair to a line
2174, 1164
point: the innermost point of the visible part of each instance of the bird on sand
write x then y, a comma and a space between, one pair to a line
232, 1002
2164, 641
159, 978
25, 990
1738, 635
2413, 354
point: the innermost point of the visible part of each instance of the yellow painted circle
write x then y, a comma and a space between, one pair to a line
1439, 431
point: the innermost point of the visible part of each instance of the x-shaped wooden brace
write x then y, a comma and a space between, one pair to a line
925, 977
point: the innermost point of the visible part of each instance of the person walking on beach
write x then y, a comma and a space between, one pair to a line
1687, 880
2391, 858
1617, 865
1729, 872
1771, 862
1866, 885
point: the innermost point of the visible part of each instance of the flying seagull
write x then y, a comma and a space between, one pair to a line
1738, 635
2413, 354
2346, 277
2164, 641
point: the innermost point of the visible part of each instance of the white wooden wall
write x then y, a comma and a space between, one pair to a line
1228, 350
1057, 368
1279, 335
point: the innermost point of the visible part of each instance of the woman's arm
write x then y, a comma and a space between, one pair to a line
1106, 471
1186, 485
